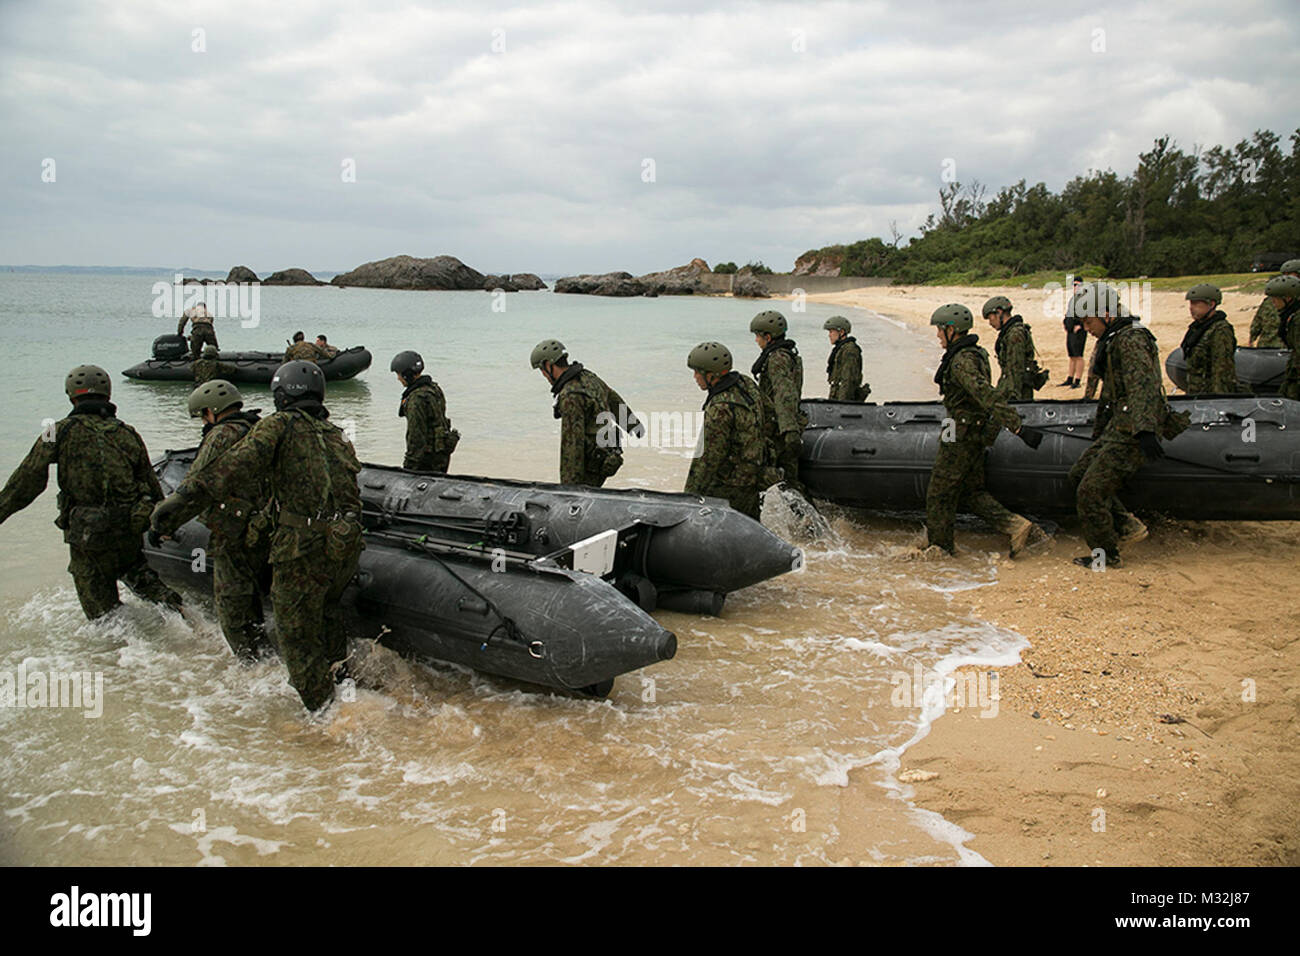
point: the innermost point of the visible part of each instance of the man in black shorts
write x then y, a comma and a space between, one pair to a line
1075, 341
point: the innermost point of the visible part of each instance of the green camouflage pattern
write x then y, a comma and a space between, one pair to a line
730, 462
106, 490
780, 383
581, 399
429, 435
1264, 327
1132, 396
205, 370
1212, 364
1291, 379
845, 375
971, 401
303, 351
311, 471
1098, 476
1017, 361
202, 335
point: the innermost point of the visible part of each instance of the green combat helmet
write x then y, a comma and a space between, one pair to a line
217, 395
995, 303
1284, 287
711, 358
773, 323
550, 350
954, 314
1204, 292
1291, 266
1095, 300
838, 323
88, 380
210, 351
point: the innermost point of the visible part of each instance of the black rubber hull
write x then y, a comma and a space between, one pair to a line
255, 367
879, 457
1260, 370
552, 627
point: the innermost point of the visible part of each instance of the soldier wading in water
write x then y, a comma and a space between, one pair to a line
430, 439
730, 458
310, 470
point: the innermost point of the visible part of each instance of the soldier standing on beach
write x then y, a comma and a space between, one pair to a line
779, 371
1285, 293
1265, 327
239, 544
1014, 348
310, 471
202, 333
1210, 344
590, 414
844, 367
430, 439
107, 488
1132, 414
976, 413
730, 458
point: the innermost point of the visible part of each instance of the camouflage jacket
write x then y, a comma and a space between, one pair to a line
977, 409
228, 518
310, 470
779, 371
844, 371
589, 444
1017, 359
205, 370
428, 429
730, 448
1264, 333
1290, 314
103, 464
305, 351
1210, 350
1132, 391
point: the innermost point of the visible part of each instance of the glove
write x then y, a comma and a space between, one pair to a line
1150, 445
169, 514
1031, 436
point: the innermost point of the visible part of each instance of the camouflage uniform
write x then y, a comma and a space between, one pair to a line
1290, 316
239, 568
1017, 359
730, 459
302, 350
201, 335
779, 371
1132, 401
311, 470
844, 372
1210, 350
106, 489
430, 439
588, 453
977, 412
205, 370
1264, 327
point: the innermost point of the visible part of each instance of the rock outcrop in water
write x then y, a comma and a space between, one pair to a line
409, 272
682, 280
292, 277
242, 274
519, 282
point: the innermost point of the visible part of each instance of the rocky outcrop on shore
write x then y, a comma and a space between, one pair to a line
745, 286
292, 277
242, 274
518, 282
820, 262
682, 280
408, 272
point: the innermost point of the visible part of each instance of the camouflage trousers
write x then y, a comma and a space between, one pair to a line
437, 462
1291, 379
305, 594
96, 573
957, 480
785, 451
744, 500
201, 335
239, 576
1097, 477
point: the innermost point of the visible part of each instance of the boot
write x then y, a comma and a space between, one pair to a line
1133, 531
1027, 535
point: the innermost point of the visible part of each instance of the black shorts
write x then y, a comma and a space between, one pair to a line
1075, 343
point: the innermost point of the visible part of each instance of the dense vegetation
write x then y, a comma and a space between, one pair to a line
1178, 213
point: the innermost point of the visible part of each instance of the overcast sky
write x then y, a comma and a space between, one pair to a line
517, 137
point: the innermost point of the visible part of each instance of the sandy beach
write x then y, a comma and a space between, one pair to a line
1153, 720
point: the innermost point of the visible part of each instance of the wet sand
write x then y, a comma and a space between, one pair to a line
1153, 720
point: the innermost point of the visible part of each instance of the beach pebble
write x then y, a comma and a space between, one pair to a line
916, 776
1101, 792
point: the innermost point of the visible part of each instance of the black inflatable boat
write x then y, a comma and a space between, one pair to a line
172, 363
1258, 370
548, 584
1239, 460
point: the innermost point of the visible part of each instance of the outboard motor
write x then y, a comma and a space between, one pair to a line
170, 347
